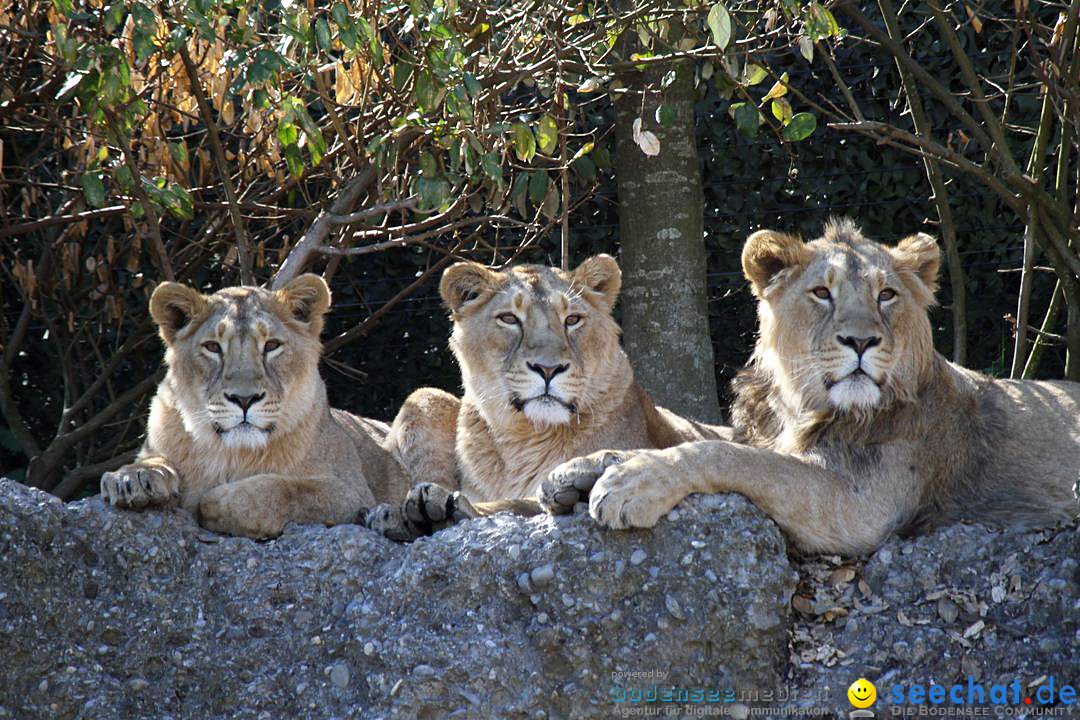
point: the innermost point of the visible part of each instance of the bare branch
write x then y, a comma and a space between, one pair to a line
939, 91
76, 478
364, 214
156, 243
904, 140
8, 407
941, 197
363, 328
26, 227
301, 253
243, 253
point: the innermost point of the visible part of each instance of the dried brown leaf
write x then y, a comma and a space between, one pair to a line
947, 610
841, 576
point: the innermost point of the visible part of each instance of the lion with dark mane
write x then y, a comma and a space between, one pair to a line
848, 425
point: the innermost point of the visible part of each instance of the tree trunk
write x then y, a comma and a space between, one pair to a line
664, 302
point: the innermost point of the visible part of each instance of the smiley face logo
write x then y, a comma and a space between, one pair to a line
862, 693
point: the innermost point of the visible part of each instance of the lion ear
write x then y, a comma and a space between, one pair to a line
600, 274
173, 306
464, 282
920, 254
307, 298
767, 253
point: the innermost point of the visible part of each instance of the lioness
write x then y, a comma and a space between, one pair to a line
545, 381
848, 425
240, 430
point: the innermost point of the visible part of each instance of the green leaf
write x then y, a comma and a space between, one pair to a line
144, 30
585, 167
585, 150
473, 86
457, 102
538, 186
719, 23
179, 153
403, 70
123, 178
322, 34
428, 167
781, 110
665, 115
602, 157
114, 15
802, 126
64, 7
340, 13
779, 88
433, 192
263, 66
287, 134
424, 91
363, 29
346, 28
524, 143
669, 77
294, 160
377, 58
820, 23
492, 168
754, 74
747, 119
68, 47
177, 201
93, 188
550, 206
547, 134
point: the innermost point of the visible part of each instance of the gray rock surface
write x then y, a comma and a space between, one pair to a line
996, 605
113, 614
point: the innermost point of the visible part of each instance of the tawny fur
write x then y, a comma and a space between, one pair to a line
503, 449
296, 460
843, 449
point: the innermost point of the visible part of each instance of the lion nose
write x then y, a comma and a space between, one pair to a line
547, 371
244, 401
858, 344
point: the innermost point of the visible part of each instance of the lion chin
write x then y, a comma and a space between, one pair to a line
245, 436
547, 410
857, 390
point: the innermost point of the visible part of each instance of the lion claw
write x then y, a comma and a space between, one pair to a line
140, 485
427, 509
570, 483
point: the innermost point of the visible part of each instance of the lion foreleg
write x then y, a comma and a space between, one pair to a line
260, 505
819, 510
422, 437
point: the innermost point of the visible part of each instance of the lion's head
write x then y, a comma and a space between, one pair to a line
536, 341
843, 319
244, 361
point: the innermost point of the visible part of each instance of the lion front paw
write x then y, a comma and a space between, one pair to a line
426, 509
633, 494
141, 485
239, 509
570, 483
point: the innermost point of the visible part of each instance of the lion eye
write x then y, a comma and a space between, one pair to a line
822, 292
572, 320
271, 345
212, 346
886, 295
508, 318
